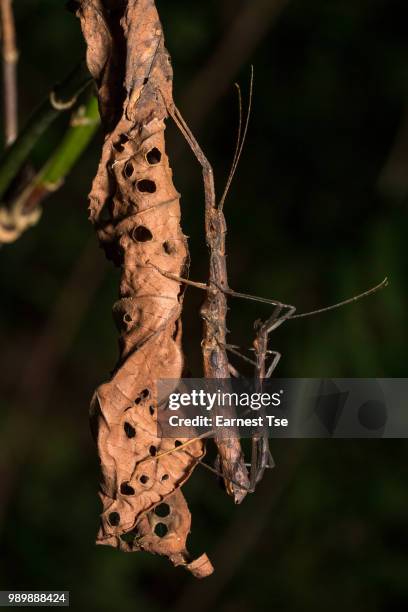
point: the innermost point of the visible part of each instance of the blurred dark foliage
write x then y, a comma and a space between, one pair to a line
309, 225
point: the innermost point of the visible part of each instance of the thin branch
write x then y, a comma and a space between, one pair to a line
10, 59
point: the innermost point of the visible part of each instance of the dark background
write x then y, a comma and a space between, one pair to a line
317, 213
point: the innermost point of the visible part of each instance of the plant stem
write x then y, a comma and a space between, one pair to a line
24, 211
84, 124
62, 98
10, 58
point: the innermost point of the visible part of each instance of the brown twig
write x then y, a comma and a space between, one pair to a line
10, 59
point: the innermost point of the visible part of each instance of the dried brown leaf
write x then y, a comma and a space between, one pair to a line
135, 209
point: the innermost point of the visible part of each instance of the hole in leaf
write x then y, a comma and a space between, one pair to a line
122, 141
129, 169
161, 530
153, 156
138, 400
126, 489
129, 430
177, 443
144, 479
169, 248
145, 393
164, 477
127, 318
142, 234
114, 519
151, 410
153, 451
162, 510
146, 186
129, 536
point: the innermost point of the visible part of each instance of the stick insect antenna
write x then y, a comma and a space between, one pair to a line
240, 141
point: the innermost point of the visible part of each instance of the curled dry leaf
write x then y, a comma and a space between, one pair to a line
135, 209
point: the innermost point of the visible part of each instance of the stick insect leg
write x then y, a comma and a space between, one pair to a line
234, 351
178, 279
261, 457
227, 291
217, 472
254, 469
272, 367
208, 175
233, 371
256, 298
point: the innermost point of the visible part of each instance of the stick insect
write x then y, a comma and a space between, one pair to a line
231, 465
231, 461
